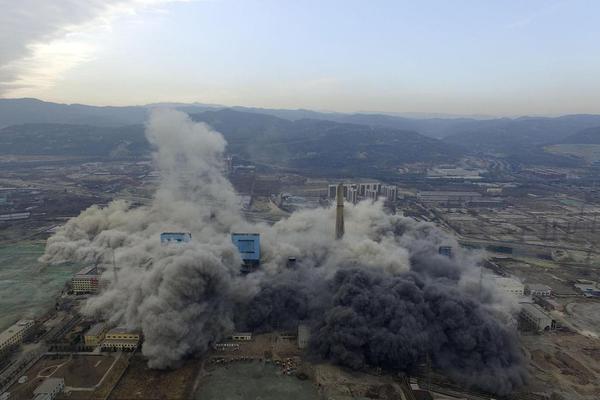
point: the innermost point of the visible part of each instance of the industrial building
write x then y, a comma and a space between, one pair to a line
94, 336
447, 199
15, 334
49, 389
589, 288
537, 318
536, 289
86, 281
175, 237
120, 339
248, 244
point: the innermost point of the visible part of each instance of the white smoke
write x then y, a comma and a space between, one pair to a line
183, 297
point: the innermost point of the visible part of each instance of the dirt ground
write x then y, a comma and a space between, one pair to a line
584, 314
564, 364
140, 382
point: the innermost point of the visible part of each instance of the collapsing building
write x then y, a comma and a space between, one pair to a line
248, 244
175, 237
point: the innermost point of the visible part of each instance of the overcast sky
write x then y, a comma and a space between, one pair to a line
504, 57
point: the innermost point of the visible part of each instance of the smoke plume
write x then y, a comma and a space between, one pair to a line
381, 296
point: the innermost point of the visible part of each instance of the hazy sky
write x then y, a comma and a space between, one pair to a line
504, 57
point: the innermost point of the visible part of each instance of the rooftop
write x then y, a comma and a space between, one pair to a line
121, 329
91, 270
535, 311
96, 329
248, 245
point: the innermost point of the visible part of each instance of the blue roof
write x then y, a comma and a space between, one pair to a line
177, 237
248, 245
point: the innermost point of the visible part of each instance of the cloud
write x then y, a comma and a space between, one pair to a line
40, 40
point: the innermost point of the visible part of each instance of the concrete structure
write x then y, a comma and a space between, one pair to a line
15, 334
355, 192
445, 251
242, 336
389, 191
536, 289
94, 336
49, 389
508, 285
86, 281
175, 237
447, 199
248, 244
120, 339
303, 336
339, 212
537, 318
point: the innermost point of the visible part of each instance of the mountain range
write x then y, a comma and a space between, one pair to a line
296, 139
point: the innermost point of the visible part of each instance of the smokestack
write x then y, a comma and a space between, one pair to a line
339, 212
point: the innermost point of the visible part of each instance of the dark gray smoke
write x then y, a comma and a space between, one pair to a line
381, 296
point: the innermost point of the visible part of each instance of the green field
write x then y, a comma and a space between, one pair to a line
589, 152
27, 288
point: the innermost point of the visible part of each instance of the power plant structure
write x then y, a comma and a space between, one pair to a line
339, 212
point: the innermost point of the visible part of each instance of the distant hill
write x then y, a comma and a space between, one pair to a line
73, 140
522, 140
504, 134
313, 146
323, 146
586, 136
27, 111
519, 140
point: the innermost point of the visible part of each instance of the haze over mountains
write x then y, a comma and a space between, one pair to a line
296, 139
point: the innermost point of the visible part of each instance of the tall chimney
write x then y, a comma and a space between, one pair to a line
339, 212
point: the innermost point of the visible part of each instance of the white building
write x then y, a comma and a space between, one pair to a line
86, 281
536, 289
242, 336
509, 285
15, 334
49, 389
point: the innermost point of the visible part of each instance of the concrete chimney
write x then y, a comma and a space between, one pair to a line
339, 212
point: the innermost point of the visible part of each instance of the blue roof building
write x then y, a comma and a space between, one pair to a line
248, 245
175, 237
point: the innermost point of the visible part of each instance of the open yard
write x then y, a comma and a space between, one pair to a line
82, 374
